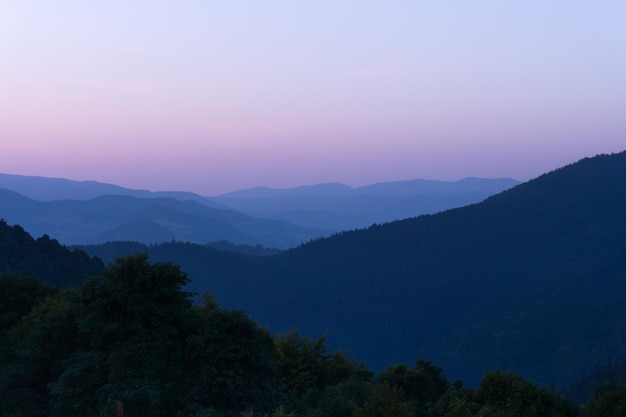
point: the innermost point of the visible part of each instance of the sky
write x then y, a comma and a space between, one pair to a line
213, 96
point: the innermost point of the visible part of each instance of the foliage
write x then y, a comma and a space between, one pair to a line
44, 258
38, 345
18, 296
317, 382
502, 395
420, 386
386, 401
229, 361
607, 400
611, 372
133, 335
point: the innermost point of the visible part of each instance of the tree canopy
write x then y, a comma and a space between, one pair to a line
132, 338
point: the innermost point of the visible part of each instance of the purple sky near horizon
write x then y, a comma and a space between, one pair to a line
211, 96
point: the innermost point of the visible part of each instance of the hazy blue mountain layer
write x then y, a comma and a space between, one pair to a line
147, 220
52, 189
338, 207
330, 207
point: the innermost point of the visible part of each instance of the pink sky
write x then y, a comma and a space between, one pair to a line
215, 97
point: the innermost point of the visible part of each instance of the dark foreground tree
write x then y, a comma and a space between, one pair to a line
607, 400
133, 337
421, 386
229, 362
502, 394
317, 382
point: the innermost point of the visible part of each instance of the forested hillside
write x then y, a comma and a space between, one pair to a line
609, 373
531, 280
43, 258
130, 342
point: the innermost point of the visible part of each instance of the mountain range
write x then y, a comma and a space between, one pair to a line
338, 207
148, 220
55, 189
532, 279
91, 212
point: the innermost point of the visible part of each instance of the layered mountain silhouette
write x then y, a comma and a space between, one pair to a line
322, 209
337, 207
147, 220
54, 189
532, 279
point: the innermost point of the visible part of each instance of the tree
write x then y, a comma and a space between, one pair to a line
422, 385
119, 337
508, 394
135, 318
228, 361
18, 296
42, 340
607, 400
386, 401
317, 382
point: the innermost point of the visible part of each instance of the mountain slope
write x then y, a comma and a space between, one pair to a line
339, 207
331, 207
53, 189
490, 283
532, 279
148, 220
43, 258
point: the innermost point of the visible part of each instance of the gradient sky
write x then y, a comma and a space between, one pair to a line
212, 96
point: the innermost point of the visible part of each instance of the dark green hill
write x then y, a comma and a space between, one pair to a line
532, 279
43, 258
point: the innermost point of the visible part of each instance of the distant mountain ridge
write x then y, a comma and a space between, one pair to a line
331, 188
54, 189
337, 207
407, 187
321, 208
146, 220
